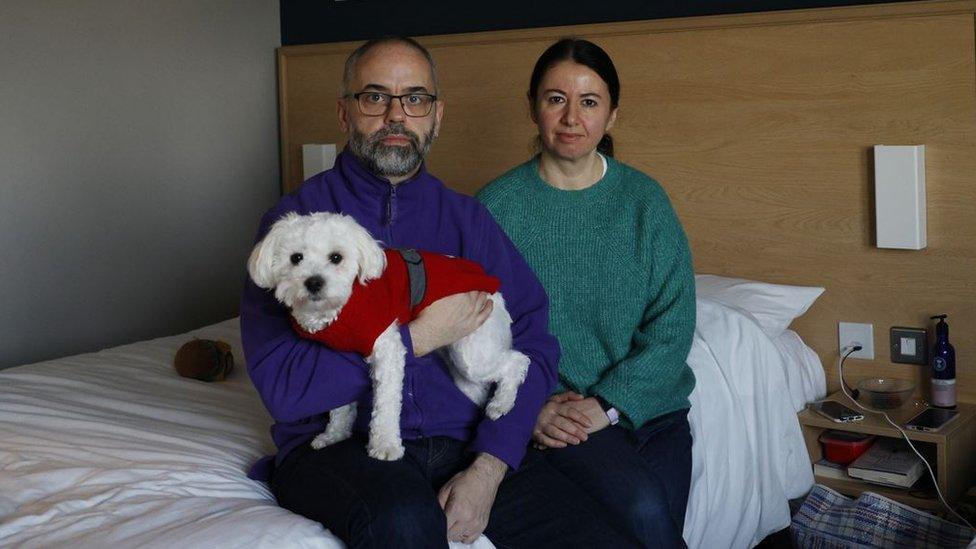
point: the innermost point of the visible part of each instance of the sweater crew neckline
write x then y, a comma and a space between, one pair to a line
600, 190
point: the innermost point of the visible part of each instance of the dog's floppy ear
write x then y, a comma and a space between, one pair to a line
372, 259
261, 263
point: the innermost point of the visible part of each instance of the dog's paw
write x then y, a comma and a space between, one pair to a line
320, 442
385, 451
498, 407
522, 363
326, 439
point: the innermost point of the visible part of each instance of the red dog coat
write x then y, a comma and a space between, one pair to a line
374, 306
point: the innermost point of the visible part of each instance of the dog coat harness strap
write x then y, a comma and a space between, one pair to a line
416, 273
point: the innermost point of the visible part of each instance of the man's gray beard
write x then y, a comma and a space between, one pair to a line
390, 160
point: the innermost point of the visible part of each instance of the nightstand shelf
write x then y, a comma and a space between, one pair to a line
951, 452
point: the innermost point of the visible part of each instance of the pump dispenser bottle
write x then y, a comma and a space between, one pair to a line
943, 366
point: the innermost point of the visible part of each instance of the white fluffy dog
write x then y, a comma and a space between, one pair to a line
313, 263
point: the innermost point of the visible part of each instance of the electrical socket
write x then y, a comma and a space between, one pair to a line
850, 333
909, 345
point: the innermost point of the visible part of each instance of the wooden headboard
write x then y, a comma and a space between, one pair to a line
760, 127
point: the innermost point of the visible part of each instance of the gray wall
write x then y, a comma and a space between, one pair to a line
138, 149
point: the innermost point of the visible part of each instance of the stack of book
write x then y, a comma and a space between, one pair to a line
889, 461
829, 469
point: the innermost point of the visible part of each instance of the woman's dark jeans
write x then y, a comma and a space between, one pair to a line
642, 477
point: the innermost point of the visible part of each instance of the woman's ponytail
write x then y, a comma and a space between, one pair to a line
605, 146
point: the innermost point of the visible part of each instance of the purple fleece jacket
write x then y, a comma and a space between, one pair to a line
301, 380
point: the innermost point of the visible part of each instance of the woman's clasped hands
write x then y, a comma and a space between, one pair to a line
567, 418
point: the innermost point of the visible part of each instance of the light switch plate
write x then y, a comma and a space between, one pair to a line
909, 345
863, 334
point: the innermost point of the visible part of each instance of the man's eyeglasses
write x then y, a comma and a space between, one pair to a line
372, 103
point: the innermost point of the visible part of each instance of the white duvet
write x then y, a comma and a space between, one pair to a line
748, 457
114, 449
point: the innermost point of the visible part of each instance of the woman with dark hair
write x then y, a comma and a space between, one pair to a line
613, 257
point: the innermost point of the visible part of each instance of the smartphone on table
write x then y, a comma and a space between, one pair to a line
931, 419
836, 412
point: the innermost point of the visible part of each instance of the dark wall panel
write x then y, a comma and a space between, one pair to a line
317, 21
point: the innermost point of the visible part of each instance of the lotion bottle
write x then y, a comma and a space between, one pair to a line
943, 363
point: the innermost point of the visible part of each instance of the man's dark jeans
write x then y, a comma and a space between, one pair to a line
372, 503
642, 477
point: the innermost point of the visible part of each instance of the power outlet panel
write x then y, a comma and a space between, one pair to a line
863, 334
909, 345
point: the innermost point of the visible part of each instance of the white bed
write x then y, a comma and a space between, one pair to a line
113, 449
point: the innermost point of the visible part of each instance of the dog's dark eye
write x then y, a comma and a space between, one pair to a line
296, 258
335, 258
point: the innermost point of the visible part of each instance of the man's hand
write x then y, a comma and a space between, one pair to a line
467, 498
449, 319
568, 418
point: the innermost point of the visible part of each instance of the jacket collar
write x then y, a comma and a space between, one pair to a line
365, 183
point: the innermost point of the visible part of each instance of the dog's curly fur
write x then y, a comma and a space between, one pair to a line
477, 361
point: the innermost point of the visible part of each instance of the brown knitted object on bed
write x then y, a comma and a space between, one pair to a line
204, 359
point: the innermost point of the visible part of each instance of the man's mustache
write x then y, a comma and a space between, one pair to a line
395, 129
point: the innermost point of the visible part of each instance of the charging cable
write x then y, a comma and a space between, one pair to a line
935, 482
854, 393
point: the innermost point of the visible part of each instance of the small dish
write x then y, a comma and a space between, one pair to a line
885, 393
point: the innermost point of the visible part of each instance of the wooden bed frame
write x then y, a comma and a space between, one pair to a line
760, 127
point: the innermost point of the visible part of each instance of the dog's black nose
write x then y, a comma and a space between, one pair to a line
314, 284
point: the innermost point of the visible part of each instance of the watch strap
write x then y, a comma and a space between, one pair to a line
612, 414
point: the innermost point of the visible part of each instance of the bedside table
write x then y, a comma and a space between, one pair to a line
951, 452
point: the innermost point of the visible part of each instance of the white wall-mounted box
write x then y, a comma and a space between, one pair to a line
899, 196
317, 158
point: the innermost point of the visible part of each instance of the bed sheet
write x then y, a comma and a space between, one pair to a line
114, 449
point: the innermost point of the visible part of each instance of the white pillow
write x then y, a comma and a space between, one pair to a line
774, 306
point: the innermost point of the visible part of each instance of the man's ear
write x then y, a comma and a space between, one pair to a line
438, 115
342, 114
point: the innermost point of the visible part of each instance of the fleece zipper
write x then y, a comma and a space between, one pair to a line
390, 214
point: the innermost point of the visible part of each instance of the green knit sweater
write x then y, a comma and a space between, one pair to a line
616, 265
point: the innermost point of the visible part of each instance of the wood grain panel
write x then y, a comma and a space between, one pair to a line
760, 127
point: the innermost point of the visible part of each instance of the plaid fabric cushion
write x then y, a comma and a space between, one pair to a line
829, 520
